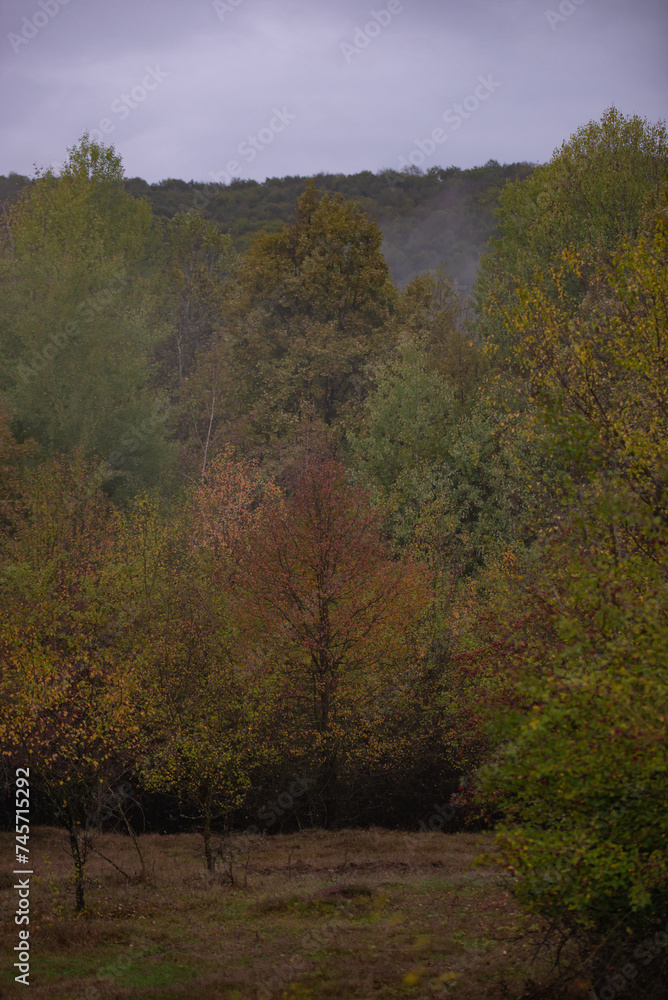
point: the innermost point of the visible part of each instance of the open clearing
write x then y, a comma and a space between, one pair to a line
348, 915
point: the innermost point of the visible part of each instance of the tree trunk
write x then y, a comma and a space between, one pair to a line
329, 770
79, 857
134, 839
206, 833
330, 790
331, 818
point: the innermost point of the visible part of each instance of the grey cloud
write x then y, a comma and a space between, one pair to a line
366, 82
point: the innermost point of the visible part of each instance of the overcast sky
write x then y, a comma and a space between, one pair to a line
197, 89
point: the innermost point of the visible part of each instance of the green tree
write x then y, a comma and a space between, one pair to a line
308, 311
582, 775
593, 193
80, 321
438, 467
433, 308
198, 260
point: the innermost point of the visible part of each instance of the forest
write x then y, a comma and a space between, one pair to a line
443, 217
301, 530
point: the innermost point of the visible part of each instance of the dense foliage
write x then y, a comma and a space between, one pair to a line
269, 522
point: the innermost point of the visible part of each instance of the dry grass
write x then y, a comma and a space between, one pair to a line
351, 915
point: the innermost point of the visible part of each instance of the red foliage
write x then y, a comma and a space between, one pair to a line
318, 580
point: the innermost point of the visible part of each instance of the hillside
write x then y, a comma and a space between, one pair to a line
445, 216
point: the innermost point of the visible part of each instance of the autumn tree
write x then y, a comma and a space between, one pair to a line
200, 744
68, 719
597, 376
203, 739
329, 623
71, 703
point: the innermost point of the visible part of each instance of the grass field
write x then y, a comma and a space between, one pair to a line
343, 916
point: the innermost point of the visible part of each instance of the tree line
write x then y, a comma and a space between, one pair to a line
442, 216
